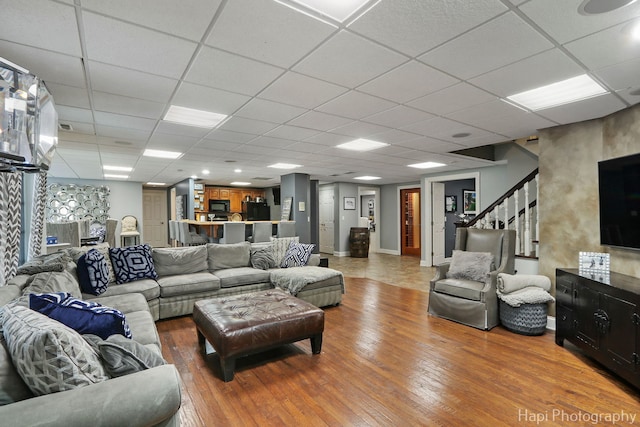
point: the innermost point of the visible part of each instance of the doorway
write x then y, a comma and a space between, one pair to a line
326, 218
410, 221
154, 213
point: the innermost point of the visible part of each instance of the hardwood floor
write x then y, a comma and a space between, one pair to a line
386, 362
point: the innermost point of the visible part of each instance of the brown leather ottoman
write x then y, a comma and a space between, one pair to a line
240, 325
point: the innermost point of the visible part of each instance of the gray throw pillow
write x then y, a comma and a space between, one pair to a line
233, 255
186, 260
470, 265
122, 356
263, 259
50, 282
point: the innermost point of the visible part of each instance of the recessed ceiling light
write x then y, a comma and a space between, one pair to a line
338, 10
162, 154
156, 183
362, 145
284, 166
237, 170
594, 7
110, 175
426, 165
194, 176
117, 168
240, 183
559, 93
366, 178
205, 172
193, 117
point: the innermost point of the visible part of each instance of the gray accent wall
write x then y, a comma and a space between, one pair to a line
297, 185
344, 219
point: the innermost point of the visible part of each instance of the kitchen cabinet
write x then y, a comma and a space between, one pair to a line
600, 314
235, 195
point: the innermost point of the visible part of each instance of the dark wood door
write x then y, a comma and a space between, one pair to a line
410, 230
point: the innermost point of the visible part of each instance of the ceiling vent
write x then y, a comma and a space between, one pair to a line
65, 126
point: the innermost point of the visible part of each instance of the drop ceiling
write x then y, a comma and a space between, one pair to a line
408, 73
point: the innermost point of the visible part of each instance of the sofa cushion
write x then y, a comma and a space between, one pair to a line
297, 255
171, 261
188, 284
132, 263
53, 281
143, 328
147, 287
127, 303
49, 356
241, 276
44, 263
93, 272
103, 248
262, 258
470, 265
467, 289
230, 255
121, 356
86, 317
280, 245
12, 388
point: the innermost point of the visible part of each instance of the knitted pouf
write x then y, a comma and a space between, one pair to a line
528, 319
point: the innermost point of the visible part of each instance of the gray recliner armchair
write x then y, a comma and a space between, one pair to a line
470, 302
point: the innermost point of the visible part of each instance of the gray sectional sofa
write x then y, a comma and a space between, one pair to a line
152, 396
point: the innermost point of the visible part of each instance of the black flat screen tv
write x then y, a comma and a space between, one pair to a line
619, 184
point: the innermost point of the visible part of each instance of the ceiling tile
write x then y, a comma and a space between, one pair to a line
621, 76
349, 60
394, 136
398, 117
79, 128
229, 136
49, 66
240, 124
208, 99
69, 95
133, 136
441, 128
126, 45
186, 18
503, 40
424, 24
120, 120
291, 132
125, 105
165, 141
431, 144
267, 31
407, 82
539, 70
356, 105
319, 121
584, 110
451, 99
261, 109
215, 68
302, 91
608, 47
561, 20
125, 82
74, 114
179, 129
359, 129
211, 144
42, 23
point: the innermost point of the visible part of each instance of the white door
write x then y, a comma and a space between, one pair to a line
439, 218
155, 222
325, 202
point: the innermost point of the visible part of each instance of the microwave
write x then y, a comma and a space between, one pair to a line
219, 205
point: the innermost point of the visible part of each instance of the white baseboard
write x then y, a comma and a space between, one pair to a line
388, 251
347, 253
551, 323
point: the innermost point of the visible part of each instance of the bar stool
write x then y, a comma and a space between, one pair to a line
129, 230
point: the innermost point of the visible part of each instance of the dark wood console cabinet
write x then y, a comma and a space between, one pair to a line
601, 315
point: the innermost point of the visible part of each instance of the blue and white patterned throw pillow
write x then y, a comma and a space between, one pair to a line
132, 263
82, 316
297, 255
93, 272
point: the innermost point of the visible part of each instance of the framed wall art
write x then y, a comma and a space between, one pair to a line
469, 203
450, 203
349, 203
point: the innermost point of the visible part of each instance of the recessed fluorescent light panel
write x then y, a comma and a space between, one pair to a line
362, 145
367, 178
240, 183
162, 154
284, 166
193, 117
117, 168
110, 175
156, 183
426, 165
339, 10
560, 93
